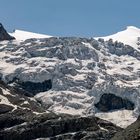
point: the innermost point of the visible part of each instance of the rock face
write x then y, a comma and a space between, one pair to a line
5, 108
23, 118
111, 102
33, 88
12, 100
61, 127
4, 35
132, 132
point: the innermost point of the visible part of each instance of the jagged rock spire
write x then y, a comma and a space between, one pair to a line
4, 35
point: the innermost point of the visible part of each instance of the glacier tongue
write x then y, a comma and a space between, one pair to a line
81, 70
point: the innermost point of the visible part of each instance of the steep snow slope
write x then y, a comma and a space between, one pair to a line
130, 36
23, 35
81, 70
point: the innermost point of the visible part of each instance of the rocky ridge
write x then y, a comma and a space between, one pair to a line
23, 118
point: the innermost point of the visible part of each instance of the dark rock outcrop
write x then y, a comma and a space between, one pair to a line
18, 99
8, 120
5, 108
111, 102
119, 49
62, 127
34, 88
4, 35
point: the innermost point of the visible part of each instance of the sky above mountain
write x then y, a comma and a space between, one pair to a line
84, 18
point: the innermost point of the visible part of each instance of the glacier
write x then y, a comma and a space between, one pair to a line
81, 70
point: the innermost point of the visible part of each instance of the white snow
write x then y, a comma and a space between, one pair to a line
103, 128
129, 36
122, 118
6, 68
5, 92
37, 113
23, 35
25, 103
5, 101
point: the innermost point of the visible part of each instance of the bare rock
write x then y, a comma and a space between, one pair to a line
4, 35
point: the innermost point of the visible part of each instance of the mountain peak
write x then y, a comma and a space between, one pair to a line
129, 36
132, 28
0, 25
4, 35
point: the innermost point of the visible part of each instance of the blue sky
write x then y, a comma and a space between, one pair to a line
85, 18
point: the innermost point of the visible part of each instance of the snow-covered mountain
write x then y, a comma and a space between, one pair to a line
78, 76
21, 35
130, 36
